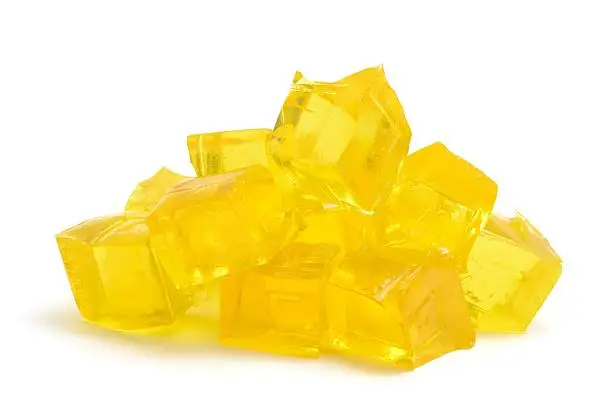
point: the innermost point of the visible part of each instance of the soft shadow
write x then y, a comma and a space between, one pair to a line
191, 336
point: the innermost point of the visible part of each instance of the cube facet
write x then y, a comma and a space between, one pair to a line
342, 141
207, 227
278, 307
510, 272
404, 313
223, 152
147, 193
439, 204
339, 225
116, 279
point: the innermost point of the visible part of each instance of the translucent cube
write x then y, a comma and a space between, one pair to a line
342, 141
510, 272
207, 227
115, 278
440, 204
278, 307
403, 313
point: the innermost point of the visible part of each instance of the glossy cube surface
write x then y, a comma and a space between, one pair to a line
278, 307
223, 152
147, 193
510, 272
339, 225
440, 204
115, 278
404, 313
342, 141
207, 227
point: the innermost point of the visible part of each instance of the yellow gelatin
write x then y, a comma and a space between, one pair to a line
115, 278
223, 152
339, 225
342, 141
402, 313
510, 272
147, 193
440, 204
207, 227
278, 307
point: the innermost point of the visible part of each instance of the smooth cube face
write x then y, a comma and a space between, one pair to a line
396, 313
278, 307
223, 152
147, 193
208, 227
510, 272
338, 225
342, 141
439, 205
115, 278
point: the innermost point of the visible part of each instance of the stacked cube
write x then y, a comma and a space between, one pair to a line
321, 234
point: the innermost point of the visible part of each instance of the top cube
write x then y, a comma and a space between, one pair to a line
342, 142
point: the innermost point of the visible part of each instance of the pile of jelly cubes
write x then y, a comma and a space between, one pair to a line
323, 234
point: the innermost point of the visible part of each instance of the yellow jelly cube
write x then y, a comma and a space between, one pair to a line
147, 193
116, 279
206, 227
278, 307
342, 141
439, 204
404, 313
510, 272
223, 152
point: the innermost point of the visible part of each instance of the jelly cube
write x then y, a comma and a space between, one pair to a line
207, 227
278, 307
510, 272
115, 278
342, 141
440, 204
401, 313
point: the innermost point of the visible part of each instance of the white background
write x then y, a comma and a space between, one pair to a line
94, 98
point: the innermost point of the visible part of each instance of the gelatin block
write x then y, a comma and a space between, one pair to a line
404, 314
223, 152
278, 307
439, 205
343, 141
510, 272
115, 278
207, 227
